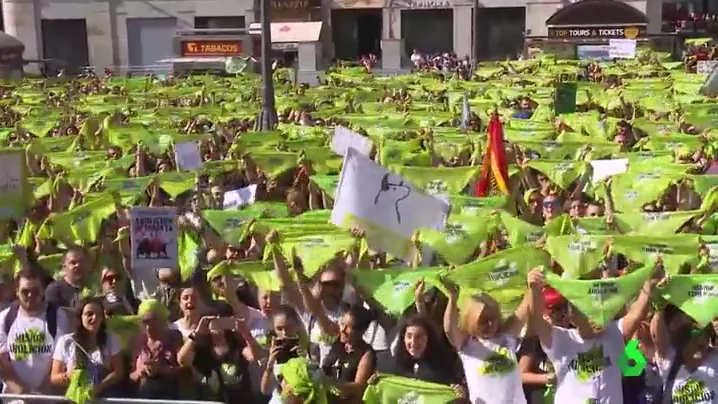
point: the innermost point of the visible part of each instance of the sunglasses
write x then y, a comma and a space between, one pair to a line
111, 278
331, 284
549, 204
29, 291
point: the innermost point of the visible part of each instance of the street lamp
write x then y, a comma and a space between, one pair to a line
267, 119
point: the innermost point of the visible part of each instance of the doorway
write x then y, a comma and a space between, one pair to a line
65, 42
500, 32
369, 32
438, 39
356, 32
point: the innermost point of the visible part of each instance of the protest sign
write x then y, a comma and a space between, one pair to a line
604, 169
239, 197
153, 236
621, 48
344, 138
385, 205
188, 156
13, 184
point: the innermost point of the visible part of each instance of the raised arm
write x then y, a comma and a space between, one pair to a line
539, 324
290, 289
639, 308
659, 333
315, 307
515, 324
456, 335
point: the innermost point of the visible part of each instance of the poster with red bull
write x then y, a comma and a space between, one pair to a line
153, 239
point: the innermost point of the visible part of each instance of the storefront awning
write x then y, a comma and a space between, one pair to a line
604, 19
290, 32
595, 13
185, 59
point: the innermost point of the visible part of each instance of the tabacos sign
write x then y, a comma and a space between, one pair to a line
212, 48
631, 32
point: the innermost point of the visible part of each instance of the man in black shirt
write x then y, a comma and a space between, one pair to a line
66, 291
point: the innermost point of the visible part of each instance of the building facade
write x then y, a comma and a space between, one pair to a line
104, 33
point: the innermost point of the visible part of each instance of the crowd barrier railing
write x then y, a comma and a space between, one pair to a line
31, 398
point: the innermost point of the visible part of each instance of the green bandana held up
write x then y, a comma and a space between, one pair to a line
461, 236
188, 247
601, 299
501, 275
255, 272
561, 172
274, 164
297, 374
394, 389
438, 180
675, 250
317, 250
394, 288
80, 224
695, 295
657, 222
577, 255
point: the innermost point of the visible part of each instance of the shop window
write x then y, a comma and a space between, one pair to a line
690, 16
219, 23
64, 43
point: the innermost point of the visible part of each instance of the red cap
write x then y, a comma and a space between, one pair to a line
552, 298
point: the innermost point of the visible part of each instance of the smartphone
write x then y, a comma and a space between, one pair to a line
288, 349
224, 323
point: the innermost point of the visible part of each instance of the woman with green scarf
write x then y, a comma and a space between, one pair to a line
299, 384
156, 371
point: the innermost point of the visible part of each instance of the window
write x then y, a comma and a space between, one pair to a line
219, 22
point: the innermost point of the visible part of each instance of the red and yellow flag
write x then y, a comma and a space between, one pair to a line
494, 170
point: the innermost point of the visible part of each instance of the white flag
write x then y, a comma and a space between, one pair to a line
384, 205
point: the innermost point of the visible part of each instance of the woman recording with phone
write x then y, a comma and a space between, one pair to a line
287, 340
219, 352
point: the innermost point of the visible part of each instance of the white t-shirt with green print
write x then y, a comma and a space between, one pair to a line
492, 372
698, 387
587, 370
30, 346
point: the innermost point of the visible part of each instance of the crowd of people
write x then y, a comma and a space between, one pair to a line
218, 336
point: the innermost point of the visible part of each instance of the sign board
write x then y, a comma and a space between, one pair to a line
710, 86
630, 32
593, 52
223, 47
295, 5
622, 48
706, 66
565, 101
422, 4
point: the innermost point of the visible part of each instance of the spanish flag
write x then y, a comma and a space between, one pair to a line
494, 170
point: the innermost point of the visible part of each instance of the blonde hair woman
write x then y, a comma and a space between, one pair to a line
487, 345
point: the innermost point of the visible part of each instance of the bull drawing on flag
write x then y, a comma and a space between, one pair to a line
151, 247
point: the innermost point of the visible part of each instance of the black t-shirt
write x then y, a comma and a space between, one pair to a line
342, 366
231, 370
62, 294
531, 346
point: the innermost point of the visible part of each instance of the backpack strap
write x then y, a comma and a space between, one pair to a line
51, 319
312, 323
10, 317
667, 393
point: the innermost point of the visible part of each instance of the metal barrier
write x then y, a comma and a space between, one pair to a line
45, 398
